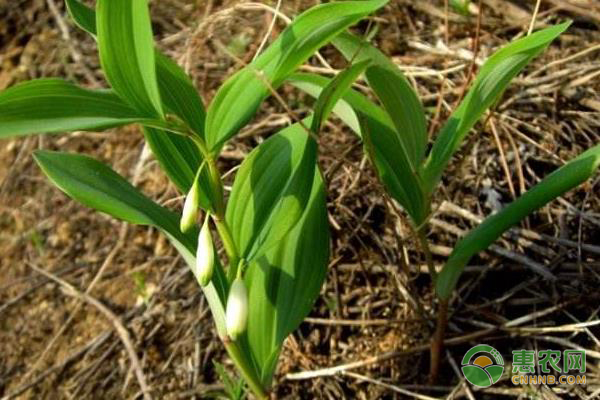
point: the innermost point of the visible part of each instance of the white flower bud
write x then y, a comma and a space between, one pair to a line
236, 314
205, 255
190, 208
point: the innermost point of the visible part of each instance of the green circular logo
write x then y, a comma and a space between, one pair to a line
483, 365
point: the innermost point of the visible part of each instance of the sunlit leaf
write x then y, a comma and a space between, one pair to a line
335, 90
313, 85
396, 94
286, 281
554, 185
126, 50
98, 186
53, 105
240, 96
492, 80
176, 90
392, 165
271, 190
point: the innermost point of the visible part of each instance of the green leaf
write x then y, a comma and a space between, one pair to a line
180, 159
381, 141
313, 85
240, 96
271, 190
395, 92
492, 80
234, 387
126, 50
357, 49
53, 105
402, 182
178, 94
176, 154
332, 93
84, 17
397, 97
285, 282
176, 90
554, 185
96, 185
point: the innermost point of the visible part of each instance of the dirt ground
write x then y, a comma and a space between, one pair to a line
53, 346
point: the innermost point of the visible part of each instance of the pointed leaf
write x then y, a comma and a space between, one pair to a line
313, 85
554, 185
332, 93
127, 52
53, 105
493, 78
271, 190
83, 16
177, 155
176, 90
395, 92
380, 139
397, 97
239, 98
286, 281
178, 94
96, 185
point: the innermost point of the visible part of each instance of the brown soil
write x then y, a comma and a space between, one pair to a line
53, 347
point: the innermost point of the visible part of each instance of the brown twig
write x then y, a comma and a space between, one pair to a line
122, 332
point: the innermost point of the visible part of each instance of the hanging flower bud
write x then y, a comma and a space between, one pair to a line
236, 314
190, 208
205, 255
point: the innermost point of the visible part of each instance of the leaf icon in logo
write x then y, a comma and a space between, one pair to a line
477, 375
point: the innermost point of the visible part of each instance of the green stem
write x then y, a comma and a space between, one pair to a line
247, 371
425, 247
219, 207
217, 184
229, 245
239, 359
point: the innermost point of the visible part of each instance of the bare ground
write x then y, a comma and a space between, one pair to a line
53, 345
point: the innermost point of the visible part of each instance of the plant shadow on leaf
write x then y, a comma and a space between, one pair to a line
285, 281
271, 190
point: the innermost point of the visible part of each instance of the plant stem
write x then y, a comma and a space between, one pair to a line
425, 247
217, 186
239, 359
229, 245
219, 207
437, 342
248, 373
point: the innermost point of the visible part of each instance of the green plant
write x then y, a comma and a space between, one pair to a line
273, 226
395, 138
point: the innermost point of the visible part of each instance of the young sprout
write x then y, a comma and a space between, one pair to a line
190, 208
236, 315
205, 254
